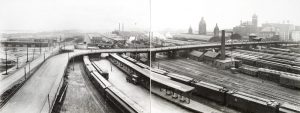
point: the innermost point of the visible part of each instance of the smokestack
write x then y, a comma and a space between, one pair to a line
122, 27
223, 45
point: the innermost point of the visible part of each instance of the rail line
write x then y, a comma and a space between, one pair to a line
248, 87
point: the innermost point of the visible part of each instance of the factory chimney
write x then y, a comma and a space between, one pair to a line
223, 45
122, 27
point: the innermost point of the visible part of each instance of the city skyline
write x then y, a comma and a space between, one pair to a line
100, 16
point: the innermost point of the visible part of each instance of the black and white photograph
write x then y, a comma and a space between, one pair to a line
149, 56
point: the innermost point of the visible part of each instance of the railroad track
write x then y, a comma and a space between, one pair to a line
252, 87
255, 86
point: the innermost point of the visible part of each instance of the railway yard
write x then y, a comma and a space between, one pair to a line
258, 86
263, 81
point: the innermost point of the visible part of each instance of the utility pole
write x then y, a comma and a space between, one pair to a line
6, 62
73, 64
40, 45
33, 53
29, 69
27, 53
25, 72
17, 61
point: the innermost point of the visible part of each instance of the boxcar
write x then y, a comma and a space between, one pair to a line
250, 103
248, 70
211, 91
268, 74
290, 80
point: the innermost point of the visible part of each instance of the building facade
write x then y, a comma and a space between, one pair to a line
282, 29
248, 27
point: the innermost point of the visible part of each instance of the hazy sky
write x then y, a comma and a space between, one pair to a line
104, 15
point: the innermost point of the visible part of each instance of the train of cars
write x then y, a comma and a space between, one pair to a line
236, 99
287, 73
117, 99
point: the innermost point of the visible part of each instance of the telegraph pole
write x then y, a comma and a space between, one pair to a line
73, 63
40, 45
6, 62
17, 62
33, 53
27, 53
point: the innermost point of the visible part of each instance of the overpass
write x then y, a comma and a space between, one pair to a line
173, 49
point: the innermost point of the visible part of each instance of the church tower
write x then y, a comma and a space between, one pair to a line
202, 27
216, 31
254, 24
190, 30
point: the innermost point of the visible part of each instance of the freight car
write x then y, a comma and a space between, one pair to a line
295, 69
211, 91
272, 65
290, 80
287, 57
249, 70
268, 74
250, 103
280, 49
283, 61
242, 101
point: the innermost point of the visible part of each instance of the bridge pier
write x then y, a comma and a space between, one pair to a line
152, 57
184, 53
172, 54
135, 56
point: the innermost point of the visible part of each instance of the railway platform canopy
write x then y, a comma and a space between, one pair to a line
164, 82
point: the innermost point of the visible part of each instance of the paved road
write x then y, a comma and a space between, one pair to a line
9, 81
33, 95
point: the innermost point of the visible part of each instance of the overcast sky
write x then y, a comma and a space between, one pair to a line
104, 15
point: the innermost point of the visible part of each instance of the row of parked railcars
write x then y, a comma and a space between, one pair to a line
236, 99
117, 99
269, 64
284, 78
